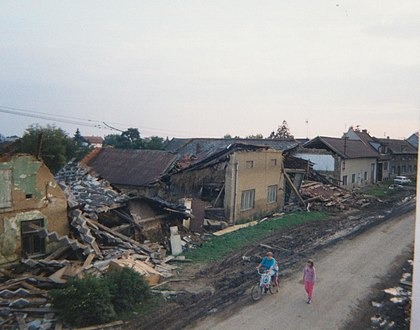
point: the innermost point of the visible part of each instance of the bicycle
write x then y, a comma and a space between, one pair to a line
264, 286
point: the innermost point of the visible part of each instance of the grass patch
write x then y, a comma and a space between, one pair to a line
220, 246
380, 190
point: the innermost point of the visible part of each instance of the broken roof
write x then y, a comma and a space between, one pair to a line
345, 148
219, 155
130, 167
86, 191
196, 146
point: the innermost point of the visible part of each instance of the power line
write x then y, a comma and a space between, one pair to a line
79, 121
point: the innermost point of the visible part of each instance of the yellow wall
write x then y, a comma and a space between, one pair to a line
259, 177
358, 167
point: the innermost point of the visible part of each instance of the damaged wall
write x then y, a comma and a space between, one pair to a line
30, 193
147, 218
190, 183
253, 171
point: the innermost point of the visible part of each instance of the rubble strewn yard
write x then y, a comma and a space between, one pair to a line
191, 290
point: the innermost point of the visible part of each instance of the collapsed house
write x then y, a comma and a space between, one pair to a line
30, 200
234, 184
102, 236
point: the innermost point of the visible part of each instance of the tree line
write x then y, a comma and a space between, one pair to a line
55, 147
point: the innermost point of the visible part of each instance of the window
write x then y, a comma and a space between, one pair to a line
353, 178
249, 164
365, 176
5, 188
393, 170
344, 180
404, 169
272, 194
386, 166
410, 168
247, 200
32, 243
273, 162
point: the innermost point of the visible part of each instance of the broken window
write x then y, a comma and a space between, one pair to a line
365, 177
344, 180
5, 188
248, 199
353, 178
249, 164
32, 243
385, 166
272, 194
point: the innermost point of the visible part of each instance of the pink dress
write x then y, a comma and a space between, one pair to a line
309, 277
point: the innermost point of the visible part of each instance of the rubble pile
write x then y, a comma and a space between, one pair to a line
87, 192
24, 299
91, 248
319, 196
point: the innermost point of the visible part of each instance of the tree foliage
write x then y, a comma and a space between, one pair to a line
256, 136
131, 139
52, 145
49, 143
283, 132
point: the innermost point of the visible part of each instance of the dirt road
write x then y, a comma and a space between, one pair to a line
346, 273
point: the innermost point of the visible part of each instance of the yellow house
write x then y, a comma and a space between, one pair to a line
244, 181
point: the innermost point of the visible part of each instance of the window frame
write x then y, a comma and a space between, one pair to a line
247, 199
32, 243
272, 194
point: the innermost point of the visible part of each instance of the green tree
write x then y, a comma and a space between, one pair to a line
129, 139
78, 148
50, 143
283, 132
256, 136
154, 143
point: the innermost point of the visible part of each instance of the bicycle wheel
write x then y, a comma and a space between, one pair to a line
256, 292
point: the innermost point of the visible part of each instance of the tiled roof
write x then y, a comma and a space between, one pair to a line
346, 148
398, 146
94, 139
201, 145
131, 167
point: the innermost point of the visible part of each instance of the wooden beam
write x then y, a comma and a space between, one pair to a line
289, 181
119, 235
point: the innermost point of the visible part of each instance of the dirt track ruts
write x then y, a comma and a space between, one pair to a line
229, 280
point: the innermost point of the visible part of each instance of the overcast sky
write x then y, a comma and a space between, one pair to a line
207, 68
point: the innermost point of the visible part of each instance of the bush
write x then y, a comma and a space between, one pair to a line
84, 302
92, 300
128, 289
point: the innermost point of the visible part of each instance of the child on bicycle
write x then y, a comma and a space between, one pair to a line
271, 267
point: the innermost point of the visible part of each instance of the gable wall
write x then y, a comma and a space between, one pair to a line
258, 178
34, 195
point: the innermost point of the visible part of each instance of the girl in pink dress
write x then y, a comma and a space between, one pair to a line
309, 277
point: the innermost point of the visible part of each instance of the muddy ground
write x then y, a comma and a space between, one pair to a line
224, 285
389, 305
